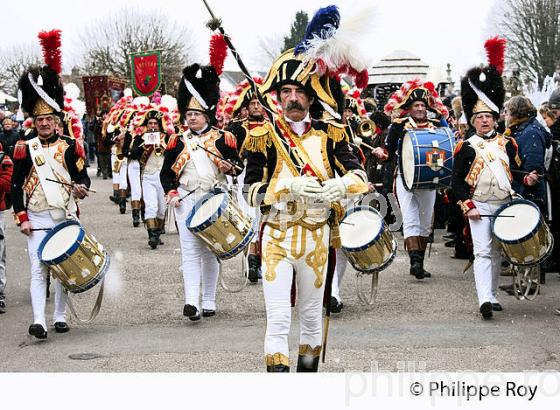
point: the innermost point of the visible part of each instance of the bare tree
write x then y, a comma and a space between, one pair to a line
108, 43
532, 28
14, 61
269, 48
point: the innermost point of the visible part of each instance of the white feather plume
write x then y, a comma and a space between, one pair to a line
169, 101
141, 101
71, 91
341, 47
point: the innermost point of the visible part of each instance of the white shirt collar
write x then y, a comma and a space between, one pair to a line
299, 127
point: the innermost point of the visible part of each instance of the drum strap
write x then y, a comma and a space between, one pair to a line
96, 306
491, 154
44, 169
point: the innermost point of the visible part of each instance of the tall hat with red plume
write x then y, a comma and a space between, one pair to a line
41, 88
482, 88
199, 88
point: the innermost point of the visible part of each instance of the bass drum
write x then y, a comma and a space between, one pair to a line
426, 158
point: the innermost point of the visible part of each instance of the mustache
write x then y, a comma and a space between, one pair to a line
294, 106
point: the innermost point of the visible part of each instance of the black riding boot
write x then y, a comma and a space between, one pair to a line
416, 268
253, 261
426, 273
277, 363
122, 201
308, 359
136, 218
278, 368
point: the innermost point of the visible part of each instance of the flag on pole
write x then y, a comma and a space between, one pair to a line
145, 72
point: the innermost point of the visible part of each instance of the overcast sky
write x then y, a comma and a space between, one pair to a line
438, 31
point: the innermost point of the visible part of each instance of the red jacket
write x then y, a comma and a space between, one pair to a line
6, 169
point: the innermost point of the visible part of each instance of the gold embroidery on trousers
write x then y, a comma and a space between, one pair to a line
317, 258
274, 253
297, 233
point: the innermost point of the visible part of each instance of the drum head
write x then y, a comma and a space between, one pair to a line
407, 160
60, 241
207, 209
526, 220
360, 227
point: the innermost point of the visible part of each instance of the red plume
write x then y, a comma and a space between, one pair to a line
218, 52
51, 42
495, 50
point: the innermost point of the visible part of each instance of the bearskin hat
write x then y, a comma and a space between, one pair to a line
482, 88
199, 90
41, 91
41, 88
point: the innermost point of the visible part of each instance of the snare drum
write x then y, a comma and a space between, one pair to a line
221, 223
525, 239
366, 240
74, 257
426, 158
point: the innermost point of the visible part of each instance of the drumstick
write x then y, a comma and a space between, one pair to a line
186, 195
71, 185
220, 157
518, 171
40, 229
497, 216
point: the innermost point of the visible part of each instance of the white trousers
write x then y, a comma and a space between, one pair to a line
251, 211
119, 177
341, 262
417, 207
487, 254
305, 252
39, 272
198, 263
154, 197
134, 179
2, 256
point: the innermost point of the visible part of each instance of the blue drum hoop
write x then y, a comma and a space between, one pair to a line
70, 251
98, 278
387, 262
212, 217
237, 249
416, 153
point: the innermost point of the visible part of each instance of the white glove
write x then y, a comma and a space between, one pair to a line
358, 141
305, 187
333, 190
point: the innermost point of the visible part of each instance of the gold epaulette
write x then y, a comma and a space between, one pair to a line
458, 147
258, 140
337, 131
172, 142
400, 120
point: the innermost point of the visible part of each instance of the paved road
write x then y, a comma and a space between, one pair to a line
432, 325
